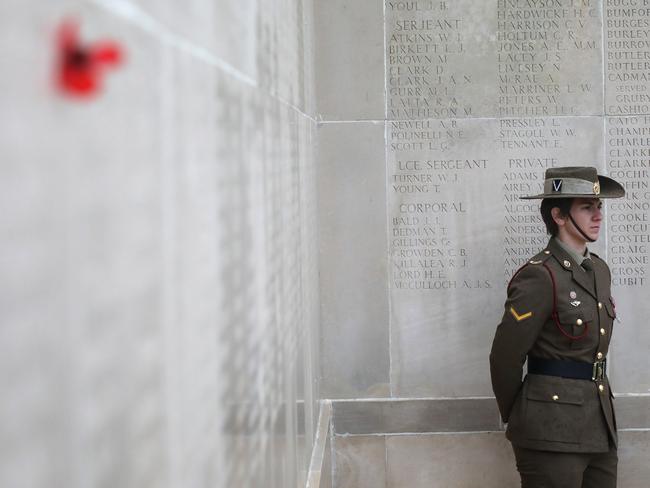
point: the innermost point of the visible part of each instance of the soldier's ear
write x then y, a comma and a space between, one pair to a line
558, 218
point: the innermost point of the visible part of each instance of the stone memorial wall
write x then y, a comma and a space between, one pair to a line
481, 98
419, 240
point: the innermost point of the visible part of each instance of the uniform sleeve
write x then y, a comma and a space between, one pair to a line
528, 307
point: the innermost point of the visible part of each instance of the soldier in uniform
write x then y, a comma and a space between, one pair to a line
559, 317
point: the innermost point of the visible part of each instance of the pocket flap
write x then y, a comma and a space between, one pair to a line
570, 316
555, 393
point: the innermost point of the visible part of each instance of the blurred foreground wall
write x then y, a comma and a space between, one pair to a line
158, 290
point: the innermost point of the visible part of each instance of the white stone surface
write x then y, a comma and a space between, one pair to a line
465, 460
354, 306
159, 302
349, 61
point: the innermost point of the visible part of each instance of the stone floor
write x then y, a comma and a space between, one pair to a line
452, 443
466, 460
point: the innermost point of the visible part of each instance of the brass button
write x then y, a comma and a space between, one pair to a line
579, 322
600, 305
603, 332
599, 355
601, 388
567, 263
556, 398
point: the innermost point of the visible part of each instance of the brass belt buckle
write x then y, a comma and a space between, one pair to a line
598, 371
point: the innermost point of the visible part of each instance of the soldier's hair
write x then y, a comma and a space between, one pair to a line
548, 204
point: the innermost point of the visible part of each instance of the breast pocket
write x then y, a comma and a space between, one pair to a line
575, 321
553, 410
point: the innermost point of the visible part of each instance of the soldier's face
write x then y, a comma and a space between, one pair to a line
587, 213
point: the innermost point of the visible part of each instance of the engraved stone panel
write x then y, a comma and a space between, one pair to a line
443, 228
440, 59
549, 57
469, 59
627, 57
454, 188
628, 161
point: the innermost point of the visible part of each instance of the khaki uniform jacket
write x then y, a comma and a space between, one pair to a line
549, 412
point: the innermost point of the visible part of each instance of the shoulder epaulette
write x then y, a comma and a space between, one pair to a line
540, 257
537, 259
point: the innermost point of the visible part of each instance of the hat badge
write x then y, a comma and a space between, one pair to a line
557, 185
597, 188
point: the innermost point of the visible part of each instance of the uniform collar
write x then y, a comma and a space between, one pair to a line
577, 257
569, 263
